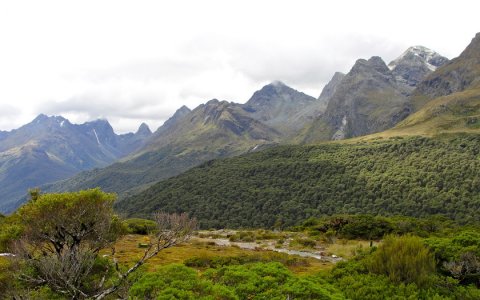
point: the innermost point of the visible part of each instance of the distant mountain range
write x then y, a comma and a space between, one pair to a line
370, 98
428, 164
213, 130
216, 129
51, 148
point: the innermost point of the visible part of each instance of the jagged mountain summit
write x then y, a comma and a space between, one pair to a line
431, 58
372, 97
170, 122
131, 142
448, 100
282, 107
51, 148
368, 99
143, 130
275, 102
457, 75
331, 87
415, 64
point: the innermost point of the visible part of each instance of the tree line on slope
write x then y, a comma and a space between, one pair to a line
276, 188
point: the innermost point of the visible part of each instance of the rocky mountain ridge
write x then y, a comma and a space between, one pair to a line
213, 130
372, 96
415, 64
282, 107
52, 148
457, 75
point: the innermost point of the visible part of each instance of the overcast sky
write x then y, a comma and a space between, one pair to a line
138, 61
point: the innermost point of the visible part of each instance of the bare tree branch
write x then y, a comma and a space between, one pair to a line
172, 230
63, 236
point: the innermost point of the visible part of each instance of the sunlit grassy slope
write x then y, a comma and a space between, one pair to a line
455, 113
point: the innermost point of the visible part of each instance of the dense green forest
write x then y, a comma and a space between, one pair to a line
411, 176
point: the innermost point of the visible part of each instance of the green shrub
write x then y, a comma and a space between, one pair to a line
403, 259
458, 256
304, 242
177, 282
10, 230
140, 226
217, 262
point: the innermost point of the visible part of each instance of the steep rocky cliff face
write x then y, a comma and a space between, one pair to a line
369, 99
283, 108
457, 75
372, 97
331, 87
415, 64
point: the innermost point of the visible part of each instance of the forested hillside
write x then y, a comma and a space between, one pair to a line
414, 176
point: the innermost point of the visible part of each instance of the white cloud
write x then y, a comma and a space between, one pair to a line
135, 61
8, 114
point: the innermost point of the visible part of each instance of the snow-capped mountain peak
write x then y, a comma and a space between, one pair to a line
416, 63
431, 58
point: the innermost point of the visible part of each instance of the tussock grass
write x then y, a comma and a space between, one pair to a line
127, 252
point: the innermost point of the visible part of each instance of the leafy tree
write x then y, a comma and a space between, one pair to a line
63, 234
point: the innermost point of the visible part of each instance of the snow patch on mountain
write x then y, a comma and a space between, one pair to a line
427, 55
95, 132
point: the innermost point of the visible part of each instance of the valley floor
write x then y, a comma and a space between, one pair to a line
285, 247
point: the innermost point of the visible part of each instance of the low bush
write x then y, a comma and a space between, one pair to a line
140, 226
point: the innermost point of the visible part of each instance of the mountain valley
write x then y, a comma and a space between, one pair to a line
371, 98
369, 191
